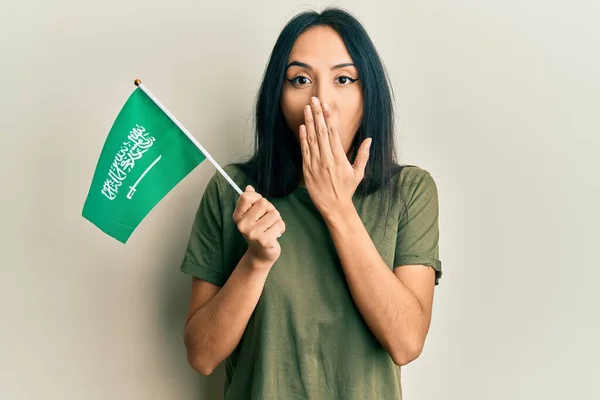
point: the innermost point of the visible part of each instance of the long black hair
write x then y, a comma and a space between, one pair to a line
276, 166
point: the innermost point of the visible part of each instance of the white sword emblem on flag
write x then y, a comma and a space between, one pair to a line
133, 188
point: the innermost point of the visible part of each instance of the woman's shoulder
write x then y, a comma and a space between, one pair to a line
412, 178
413, 174
237, 172
220, 185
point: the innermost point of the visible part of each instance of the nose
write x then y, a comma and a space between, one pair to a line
323, 92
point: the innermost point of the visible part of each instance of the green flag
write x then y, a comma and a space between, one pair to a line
145, 155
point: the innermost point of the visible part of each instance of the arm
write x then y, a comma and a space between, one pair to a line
218, 316
395, 305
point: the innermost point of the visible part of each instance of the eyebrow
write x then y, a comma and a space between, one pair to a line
304, 65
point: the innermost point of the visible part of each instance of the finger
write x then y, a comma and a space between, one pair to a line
267, 220
258, 209
321, 129
245, 202
247, 222
311, 135
275, 231
361, 159
304, 146
335, 142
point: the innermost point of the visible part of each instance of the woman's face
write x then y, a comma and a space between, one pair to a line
319, 65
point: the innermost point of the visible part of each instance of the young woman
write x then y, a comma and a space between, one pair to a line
317, 282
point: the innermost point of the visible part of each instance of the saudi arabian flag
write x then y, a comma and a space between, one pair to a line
145, 155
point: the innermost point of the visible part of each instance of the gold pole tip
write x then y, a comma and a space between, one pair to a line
137, 82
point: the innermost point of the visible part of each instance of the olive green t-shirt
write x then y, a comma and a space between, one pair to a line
306, 339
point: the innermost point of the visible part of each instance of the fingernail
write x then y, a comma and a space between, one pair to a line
315, 101
369, 144
325, 107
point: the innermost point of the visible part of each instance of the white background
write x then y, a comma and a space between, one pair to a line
498, 100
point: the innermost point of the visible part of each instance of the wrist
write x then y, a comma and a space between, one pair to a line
339, 214
252, 262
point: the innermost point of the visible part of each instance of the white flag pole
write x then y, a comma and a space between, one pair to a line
138, 83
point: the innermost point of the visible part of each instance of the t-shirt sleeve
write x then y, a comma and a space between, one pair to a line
203, 256
417, 241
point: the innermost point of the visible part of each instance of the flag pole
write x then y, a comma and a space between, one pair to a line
138, 83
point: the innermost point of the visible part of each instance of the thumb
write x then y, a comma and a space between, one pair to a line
361, 158
249, 188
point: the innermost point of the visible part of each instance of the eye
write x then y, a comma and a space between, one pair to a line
299, 80
345, 80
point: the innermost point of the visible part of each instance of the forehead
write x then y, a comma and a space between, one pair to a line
320, 44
